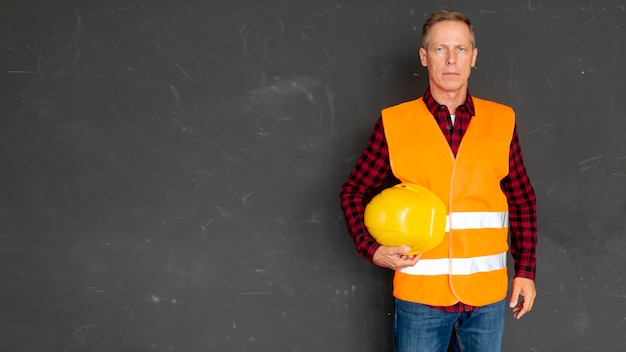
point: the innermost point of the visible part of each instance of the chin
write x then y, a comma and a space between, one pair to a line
451, 87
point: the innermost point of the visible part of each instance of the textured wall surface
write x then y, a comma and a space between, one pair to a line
170, 170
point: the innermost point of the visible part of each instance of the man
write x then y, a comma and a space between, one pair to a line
484, 185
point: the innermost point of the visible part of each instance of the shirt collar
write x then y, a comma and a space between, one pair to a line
432, 105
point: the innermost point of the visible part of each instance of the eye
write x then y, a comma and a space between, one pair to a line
462, 49
439, 49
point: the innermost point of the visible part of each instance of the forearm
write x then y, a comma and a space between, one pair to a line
522, 213
353, 201
524, 240
364, 181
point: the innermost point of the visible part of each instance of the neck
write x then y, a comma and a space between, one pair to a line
451, 99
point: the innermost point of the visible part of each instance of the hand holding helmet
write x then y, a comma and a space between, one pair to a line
406, 215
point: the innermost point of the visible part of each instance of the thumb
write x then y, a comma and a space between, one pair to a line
514, 297
399, 250
404, 249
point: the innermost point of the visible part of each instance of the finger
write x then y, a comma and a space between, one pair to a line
514, 297
403, 250
406, 261
523, 309
529, 302
528, 305
531, 299
516, 312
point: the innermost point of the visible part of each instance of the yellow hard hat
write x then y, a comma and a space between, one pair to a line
406, 215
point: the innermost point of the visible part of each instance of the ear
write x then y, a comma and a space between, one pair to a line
474, 56
423, 57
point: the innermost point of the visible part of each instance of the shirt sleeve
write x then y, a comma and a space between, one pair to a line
368, 175
522, 212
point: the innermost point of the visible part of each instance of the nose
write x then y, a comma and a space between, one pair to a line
451, 59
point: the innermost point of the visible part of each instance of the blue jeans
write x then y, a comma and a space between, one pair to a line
421, 328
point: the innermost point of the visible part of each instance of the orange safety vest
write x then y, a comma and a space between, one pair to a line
469, 266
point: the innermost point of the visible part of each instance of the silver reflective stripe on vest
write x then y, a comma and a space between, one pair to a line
477, 220
457, 266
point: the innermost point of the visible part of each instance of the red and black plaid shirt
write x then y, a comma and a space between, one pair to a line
372, 170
